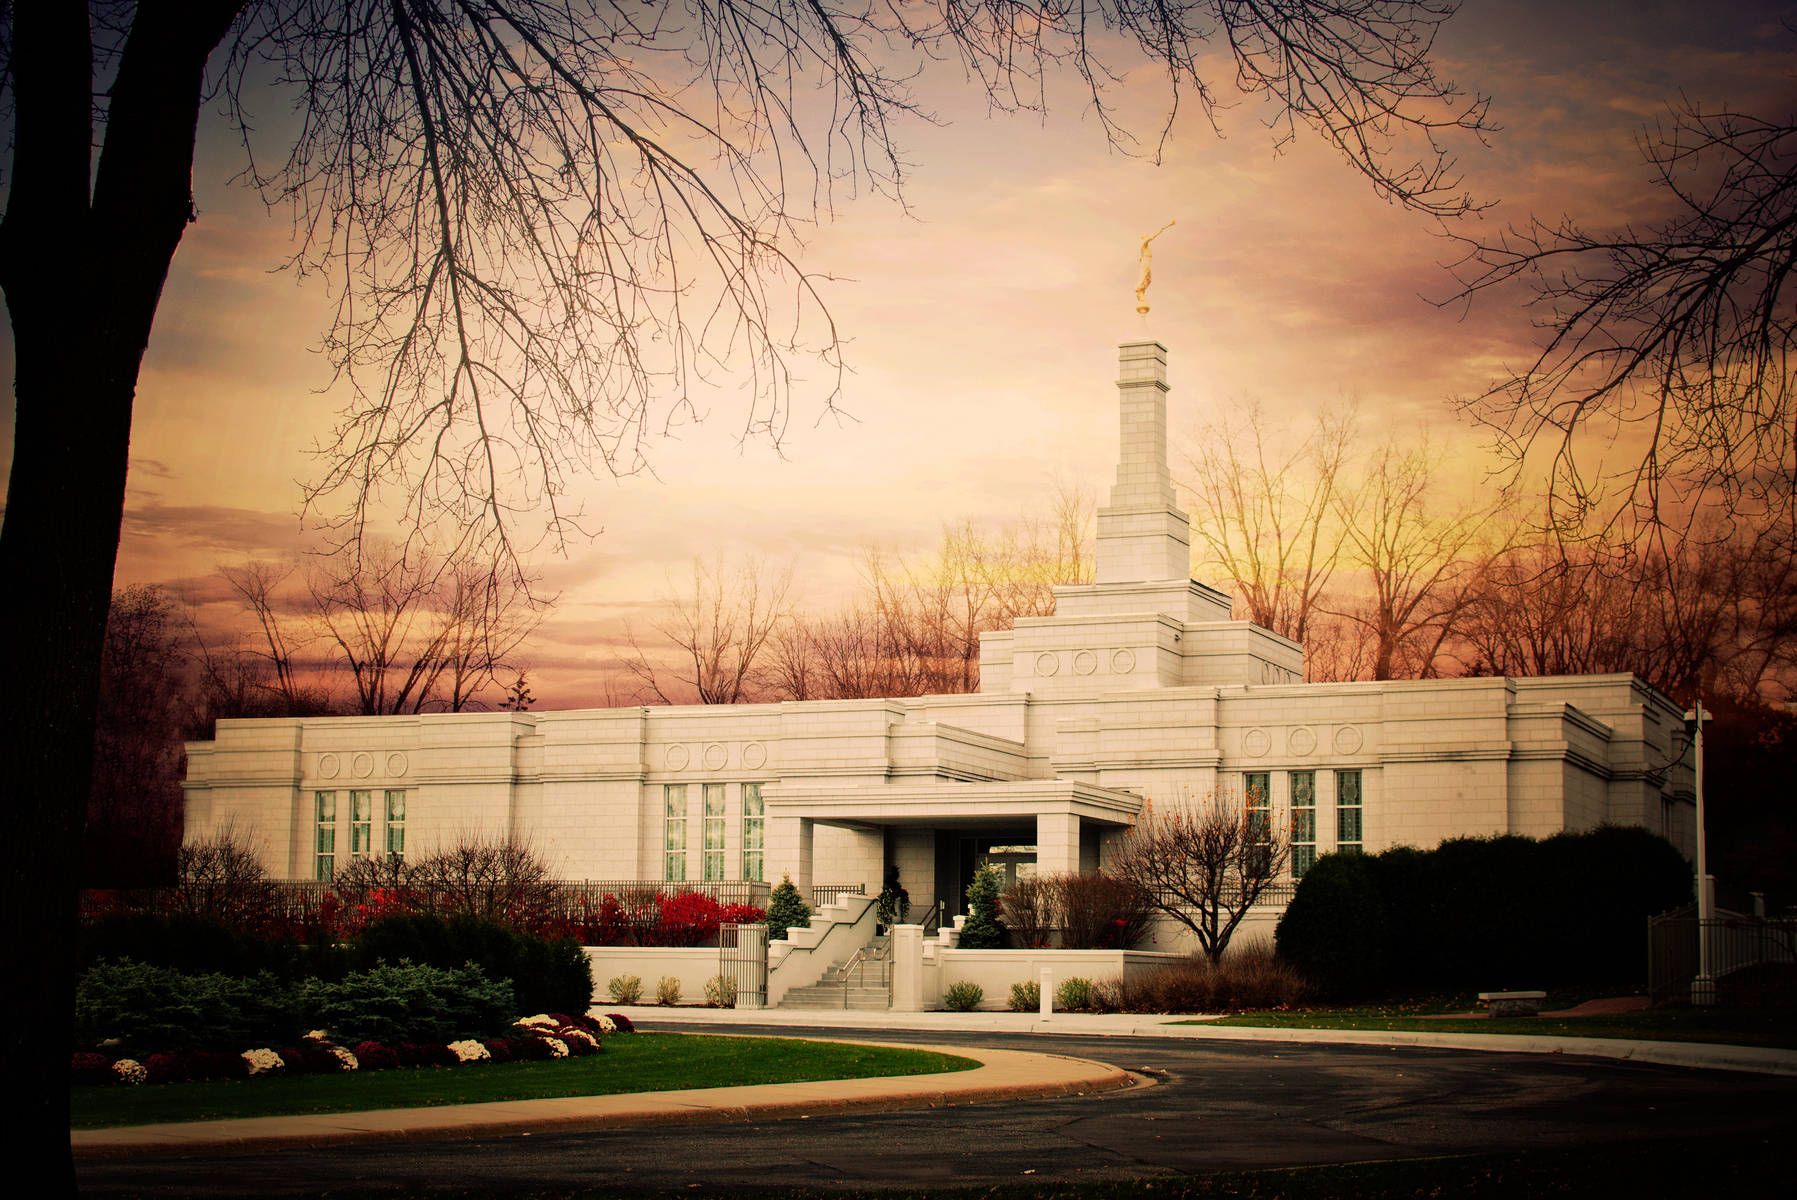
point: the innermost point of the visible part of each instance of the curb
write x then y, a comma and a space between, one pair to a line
1716, 1056
1002, 1075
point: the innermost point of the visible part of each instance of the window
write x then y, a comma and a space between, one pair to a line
1304, 822
361, 823
1260, 811
1348, 824
674, 839
324, 843
714, 831
753, 818
396, 826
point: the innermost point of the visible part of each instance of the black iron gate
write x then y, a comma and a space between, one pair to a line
742, 959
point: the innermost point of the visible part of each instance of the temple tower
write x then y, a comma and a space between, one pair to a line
1142, 536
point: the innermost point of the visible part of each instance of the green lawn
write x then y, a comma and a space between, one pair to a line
1776, 1027
638, 1062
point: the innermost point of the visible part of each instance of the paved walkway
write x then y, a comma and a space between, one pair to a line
1003, 1074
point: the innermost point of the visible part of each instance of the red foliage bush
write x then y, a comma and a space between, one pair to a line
372, 1056
167, 1068
91, 1069
622, 1022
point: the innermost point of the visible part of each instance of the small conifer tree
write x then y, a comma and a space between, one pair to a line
785, 908
982, 930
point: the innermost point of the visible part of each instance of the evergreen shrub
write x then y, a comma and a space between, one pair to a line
981, 931
545, 974
1481, 914
785, 908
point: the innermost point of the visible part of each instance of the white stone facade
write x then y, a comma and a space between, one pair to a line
1141, 686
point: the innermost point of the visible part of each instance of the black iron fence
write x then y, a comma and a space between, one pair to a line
1736, 943
302, 904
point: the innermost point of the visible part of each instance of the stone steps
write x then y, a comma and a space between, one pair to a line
835, 996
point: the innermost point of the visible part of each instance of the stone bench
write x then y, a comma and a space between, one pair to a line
1513, 1004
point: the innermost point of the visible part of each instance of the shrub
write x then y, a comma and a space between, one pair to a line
621, 1021
1107, 996
1334, 930
1073, 994
785, 908
1251, 977
1485, 913
375, 1057
411, 1002
720, 992
1026, 997
161, 1009
1030, 911
963, 996
544, 973
667, 991
625, 989
90, 1069
981, 931
1097, 912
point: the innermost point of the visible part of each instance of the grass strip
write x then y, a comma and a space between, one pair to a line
1739, 1027
639, 1062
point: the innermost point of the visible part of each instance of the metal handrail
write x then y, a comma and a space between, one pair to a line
932, 920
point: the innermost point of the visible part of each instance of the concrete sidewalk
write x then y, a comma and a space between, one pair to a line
1714, 1056
1001, 1075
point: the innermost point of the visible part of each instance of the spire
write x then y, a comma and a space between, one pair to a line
1142, 537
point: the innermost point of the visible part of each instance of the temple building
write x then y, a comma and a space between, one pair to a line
1140, 688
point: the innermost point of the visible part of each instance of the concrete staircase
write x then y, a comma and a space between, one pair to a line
862, 983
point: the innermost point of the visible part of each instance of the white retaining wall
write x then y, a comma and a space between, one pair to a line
691, 965
996, 970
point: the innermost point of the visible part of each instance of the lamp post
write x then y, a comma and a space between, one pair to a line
1703, 988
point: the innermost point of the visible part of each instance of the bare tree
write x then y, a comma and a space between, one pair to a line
285, 630
1268, 519
720, 629
1679, 334
1414, 557
544, 222
1203, 866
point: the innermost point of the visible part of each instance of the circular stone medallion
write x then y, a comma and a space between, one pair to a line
329, 765
754, 756
1084, 662
716, 756
1256, 742
1047, 663
678, 757
1303, 740
1123, 661
1348, 740
362, 765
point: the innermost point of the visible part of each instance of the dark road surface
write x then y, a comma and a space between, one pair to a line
1217, 1106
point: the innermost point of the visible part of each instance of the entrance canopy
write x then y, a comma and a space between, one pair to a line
1051, 813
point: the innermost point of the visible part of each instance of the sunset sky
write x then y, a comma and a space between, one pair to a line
982, 324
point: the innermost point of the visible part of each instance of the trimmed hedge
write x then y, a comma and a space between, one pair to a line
142, 1007
1484, 913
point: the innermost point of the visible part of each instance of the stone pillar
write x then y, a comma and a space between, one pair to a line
789, 852
1057, 844
907, 968
1142, 536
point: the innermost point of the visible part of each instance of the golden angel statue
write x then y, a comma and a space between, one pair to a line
1146, 256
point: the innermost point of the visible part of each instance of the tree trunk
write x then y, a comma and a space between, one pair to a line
82, 278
